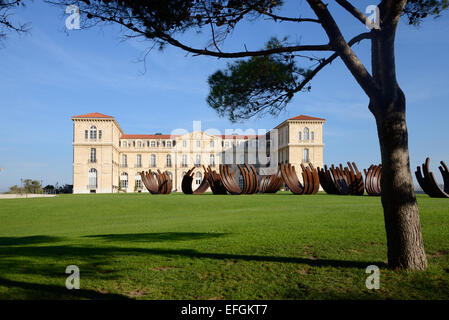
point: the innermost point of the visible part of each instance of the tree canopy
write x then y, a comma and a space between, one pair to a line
264, 80
6, 23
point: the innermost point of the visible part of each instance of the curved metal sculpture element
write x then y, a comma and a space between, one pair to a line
342, 181
309, 175
270, 183
214, 179
327, 180
249, 174
372, 180
161, 184
186, 184
356, 184
428, 183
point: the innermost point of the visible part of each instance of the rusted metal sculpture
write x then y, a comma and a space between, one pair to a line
372, 180
249, 174
342, 181
271, 183
356, 184
310, 178
157, 182
428, 183
186, 184
214, 179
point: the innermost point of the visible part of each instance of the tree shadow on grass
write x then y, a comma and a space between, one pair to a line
13, 241
41, 290
104, 253
156, 237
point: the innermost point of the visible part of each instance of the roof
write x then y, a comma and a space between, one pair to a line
304, 117
93, 115
148, 136
237, 136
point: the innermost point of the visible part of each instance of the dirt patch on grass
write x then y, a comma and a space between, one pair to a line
138, 293
439, 253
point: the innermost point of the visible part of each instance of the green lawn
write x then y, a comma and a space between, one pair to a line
280, 246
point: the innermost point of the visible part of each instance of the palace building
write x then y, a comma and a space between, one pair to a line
107, 160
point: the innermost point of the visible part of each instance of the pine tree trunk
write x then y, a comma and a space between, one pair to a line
401, 214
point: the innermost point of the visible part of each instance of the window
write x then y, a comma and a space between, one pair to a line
227, 144
198, 177
93, 132
153, 144
184, 160
184, 144
124, 144
93, 155
138, 182
168, 160
312, 135
124, 180
153, 160
92, 178
168, 144
198, 160
86, 134
212, 143
306, 133
124, 160
299, 135
306, 155
139, 161
212, 160
198, 144
242, 159
100, 134
170, 175
139, 144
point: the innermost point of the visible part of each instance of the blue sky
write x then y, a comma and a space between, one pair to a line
51, 74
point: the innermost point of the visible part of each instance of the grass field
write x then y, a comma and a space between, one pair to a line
282, 246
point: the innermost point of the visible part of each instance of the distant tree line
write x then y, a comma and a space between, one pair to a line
50, 189
35, 187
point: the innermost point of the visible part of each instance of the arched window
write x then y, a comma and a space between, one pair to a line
306, 155
138, 180
168, 160
212, 160
124, 180
170, 175
198, 177
92, 178
299, 135
93, 155
93, 132
153, 160
312, 135
306, 133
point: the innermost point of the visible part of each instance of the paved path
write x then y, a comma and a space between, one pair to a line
22, 196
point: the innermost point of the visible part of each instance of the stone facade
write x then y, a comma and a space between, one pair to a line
106, 160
